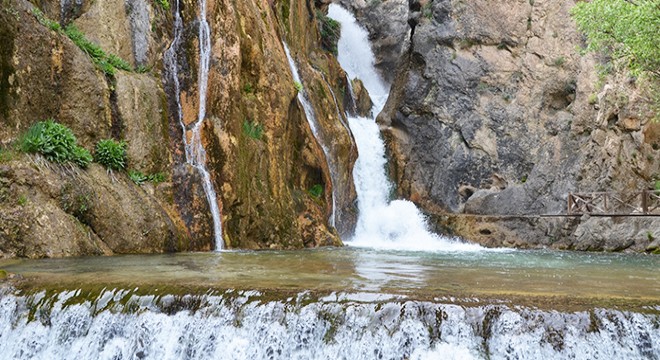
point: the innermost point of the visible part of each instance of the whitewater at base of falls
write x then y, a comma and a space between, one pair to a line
382, 224
250, 325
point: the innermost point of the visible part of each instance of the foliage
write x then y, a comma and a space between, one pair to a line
111, 154
108, 63
22, 200
330, 31
140, 178
559, 61
247, 88
6, 155
55, 142
43, 20
316, 191
298, 86
253, 129
626, 30
427, 10
165, 4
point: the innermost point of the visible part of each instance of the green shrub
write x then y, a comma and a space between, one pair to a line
111, 154
108, 63
298, 86
316, 191
330, 31
43, 20
165, 4
140, 178
55, 142
253, 129
625, 30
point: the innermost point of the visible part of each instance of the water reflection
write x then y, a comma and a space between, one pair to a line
418, 274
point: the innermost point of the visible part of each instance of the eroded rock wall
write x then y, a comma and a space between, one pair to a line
263, 179
494, 112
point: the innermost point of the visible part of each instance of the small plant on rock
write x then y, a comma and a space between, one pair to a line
330, 31
55, 142
253, 129
316, 191
298, 86
111, 154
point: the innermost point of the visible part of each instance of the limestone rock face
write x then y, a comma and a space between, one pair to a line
273, 180
494, 112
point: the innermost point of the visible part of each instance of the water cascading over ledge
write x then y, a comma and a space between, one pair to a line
382, 223
254, 325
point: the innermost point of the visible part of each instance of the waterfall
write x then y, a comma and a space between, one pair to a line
313, 124
119, 324
195, 153
382, 223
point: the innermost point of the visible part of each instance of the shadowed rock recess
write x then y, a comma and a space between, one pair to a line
265, 163
494, 113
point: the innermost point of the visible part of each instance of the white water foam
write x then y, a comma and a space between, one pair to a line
247, 325
195, 153
382, 224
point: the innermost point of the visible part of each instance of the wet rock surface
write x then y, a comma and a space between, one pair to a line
263, 158
494, 112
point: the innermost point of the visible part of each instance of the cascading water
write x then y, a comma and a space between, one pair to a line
119, 324
195, 153
313, 124
382, 223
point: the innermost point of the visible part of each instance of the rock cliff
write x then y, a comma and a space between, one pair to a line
265, 163
494, 112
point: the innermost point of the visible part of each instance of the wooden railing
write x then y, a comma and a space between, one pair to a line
645, 202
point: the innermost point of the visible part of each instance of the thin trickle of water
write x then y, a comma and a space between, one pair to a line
382, 223
314, 125
195, 153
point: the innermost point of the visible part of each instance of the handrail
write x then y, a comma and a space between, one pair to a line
645, 202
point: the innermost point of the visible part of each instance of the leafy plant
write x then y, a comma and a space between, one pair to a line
108, 63
316, 191
43, 20
298, 86
330, 31
111, 154
22, 200
140, 178
165, 4
141, 69
625, 30
247, 88
253, 129
55, 142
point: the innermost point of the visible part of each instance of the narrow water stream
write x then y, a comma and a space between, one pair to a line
194, 149
314, 125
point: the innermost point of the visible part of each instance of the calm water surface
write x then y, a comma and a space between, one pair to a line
561, 276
